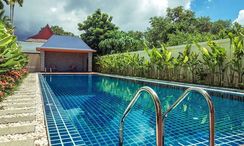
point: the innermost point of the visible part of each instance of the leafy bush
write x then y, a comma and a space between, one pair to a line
211, 66
12, 61
11, 56
10, 80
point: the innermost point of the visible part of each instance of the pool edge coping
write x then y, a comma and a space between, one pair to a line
43, 108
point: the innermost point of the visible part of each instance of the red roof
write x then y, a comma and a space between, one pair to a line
44, 34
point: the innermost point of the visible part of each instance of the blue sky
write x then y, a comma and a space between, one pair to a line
218, 9
127, 14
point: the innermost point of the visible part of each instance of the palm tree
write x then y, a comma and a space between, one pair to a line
5, 19
11, 4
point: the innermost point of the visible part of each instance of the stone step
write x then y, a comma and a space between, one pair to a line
25, 92
17, 119
17, 101
13, 106
20, 97
17, 130
28, 142
17, 111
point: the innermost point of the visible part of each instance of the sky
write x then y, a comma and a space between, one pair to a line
127, 14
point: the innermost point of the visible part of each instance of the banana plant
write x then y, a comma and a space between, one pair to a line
166, 62
182, 59
193, 64
155, 58
209, 60
220, 56
238, 52
11, 56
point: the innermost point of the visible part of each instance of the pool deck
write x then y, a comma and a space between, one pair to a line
22, 120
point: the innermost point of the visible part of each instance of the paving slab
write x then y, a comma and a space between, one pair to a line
17, 130
17, 105
12, 104
28, 142
21, 116
19, 101
17, 119
21, 98
17, 111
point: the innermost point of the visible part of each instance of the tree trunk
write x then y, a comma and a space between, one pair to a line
10, 12
12, 15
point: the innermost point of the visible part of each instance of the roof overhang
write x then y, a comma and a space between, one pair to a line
36, 40
66, 50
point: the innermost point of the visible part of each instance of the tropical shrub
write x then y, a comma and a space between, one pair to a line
9, 80
12, 61
210, 66
236, 63
11, 56
214, 60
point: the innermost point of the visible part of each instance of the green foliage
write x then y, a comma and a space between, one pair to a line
203, 24
220, 26
125, 64
159, 30
60, 31
214, 59
136, 35
96, 28
181, 26
11, 56
211, 66
119, 41
237, 44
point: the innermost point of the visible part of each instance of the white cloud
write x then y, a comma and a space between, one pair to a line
240, 18
127, 14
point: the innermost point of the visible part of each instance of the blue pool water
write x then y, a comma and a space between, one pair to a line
86, 109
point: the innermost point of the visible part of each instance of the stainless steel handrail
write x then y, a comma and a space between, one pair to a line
210, 106
158, 110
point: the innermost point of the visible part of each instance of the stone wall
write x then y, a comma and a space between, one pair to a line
34, 62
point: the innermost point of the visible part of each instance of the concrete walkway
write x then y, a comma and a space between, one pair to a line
21, 116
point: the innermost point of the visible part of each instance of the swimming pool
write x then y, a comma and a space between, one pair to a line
86, 109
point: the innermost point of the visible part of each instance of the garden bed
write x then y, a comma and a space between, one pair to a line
9, 81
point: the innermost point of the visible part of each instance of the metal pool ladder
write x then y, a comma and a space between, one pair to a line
160, 119
158, 110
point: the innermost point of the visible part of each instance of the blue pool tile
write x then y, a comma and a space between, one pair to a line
79, 113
